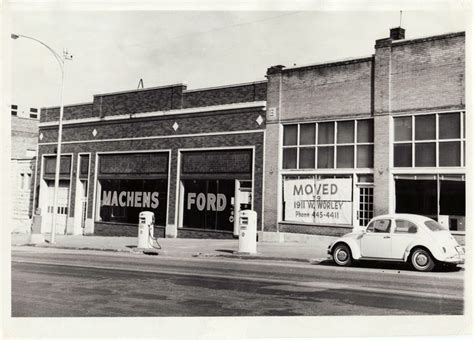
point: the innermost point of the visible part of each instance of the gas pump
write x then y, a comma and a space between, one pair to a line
146, 227
248, 232
242, 201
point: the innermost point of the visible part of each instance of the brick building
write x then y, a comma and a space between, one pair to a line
315, 150
386, 132
193, 157
24, 137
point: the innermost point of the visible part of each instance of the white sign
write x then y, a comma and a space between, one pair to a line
323, 201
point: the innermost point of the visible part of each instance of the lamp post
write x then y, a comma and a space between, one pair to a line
61, 61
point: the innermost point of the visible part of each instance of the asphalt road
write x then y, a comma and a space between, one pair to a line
67, 283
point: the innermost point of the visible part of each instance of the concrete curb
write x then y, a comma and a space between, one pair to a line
263, 257
140, 251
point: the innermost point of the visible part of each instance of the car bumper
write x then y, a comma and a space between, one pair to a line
457, 259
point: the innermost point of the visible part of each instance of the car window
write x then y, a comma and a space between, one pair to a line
405, 227
379, 226
434, 226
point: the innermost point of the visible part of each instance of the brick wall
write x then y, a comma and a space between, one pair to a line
226, 121
428, 73
329, 90
164, 98
158, 126
77, 111
225, 95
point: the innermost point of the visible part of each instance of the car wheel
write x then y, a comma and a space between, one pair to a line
342, 255
422, 260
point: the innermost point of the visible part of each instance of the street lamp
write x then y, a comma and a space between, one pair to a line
61, 61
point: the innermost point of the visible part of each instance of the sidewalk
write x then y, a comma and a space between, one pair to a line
176, 247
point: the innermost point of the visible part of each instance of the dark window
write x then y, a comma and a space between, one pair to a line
14, 107
425, 154
307, 158
14, 113
365, 131
416, 197
289, 134
325, 157
32, 115
452, 198
402, 156
345, 156
449, 126
123, 199
403, 129
289, 158
33, 110
425, 127
208, 204
326, 133
365, 156
449, 154
345, 132
307, 134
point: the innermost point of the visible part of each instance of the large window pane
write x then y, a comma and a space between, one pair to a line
289, 158
307, 134
425, 154
326, 133
403, 128
425, 127
452, 198
345, 156
449, 154
289, 134
365, 131
307, 158
345, 132
365, 156
416, 197
402, 155
449, 126
325, 157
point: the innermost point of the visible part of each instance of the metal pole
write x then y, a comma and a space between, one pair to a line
60, 59
58, 159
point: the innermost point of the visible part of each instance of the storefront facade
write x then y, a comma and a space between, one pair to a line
314, 150
367, 136
194, 166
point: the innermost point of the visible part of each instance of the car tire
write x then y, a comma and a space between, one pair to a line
422, 260
341, 255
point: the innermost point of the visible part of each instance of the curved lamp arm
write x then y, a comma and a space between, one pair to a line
57, 56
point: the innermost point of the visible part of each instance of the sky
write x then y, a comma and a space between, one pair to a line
112, 50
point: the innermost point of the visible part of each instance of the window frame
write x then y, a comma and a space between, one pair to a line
437, 140
335, 144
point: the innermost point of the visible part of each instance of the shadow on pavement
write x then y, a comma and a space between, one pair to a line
228, 251
440, 268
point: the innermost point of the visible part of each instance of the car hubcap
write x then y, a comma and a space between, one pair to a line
421, 260
341, 255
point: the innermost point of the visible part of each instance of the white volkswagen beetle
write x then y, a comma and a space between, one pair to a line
416, 239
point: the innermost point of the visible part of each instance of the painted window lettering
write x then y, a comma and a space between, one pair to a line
135, 199
210, 202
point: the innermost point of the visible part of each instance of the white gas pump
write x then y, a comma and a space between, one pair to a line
248, 232
146, 225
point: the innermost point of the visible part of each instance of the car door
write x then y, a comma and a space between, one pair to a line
403, 234
376, 242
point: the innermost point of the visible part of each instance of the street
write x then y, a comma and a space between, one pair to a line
69, 283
